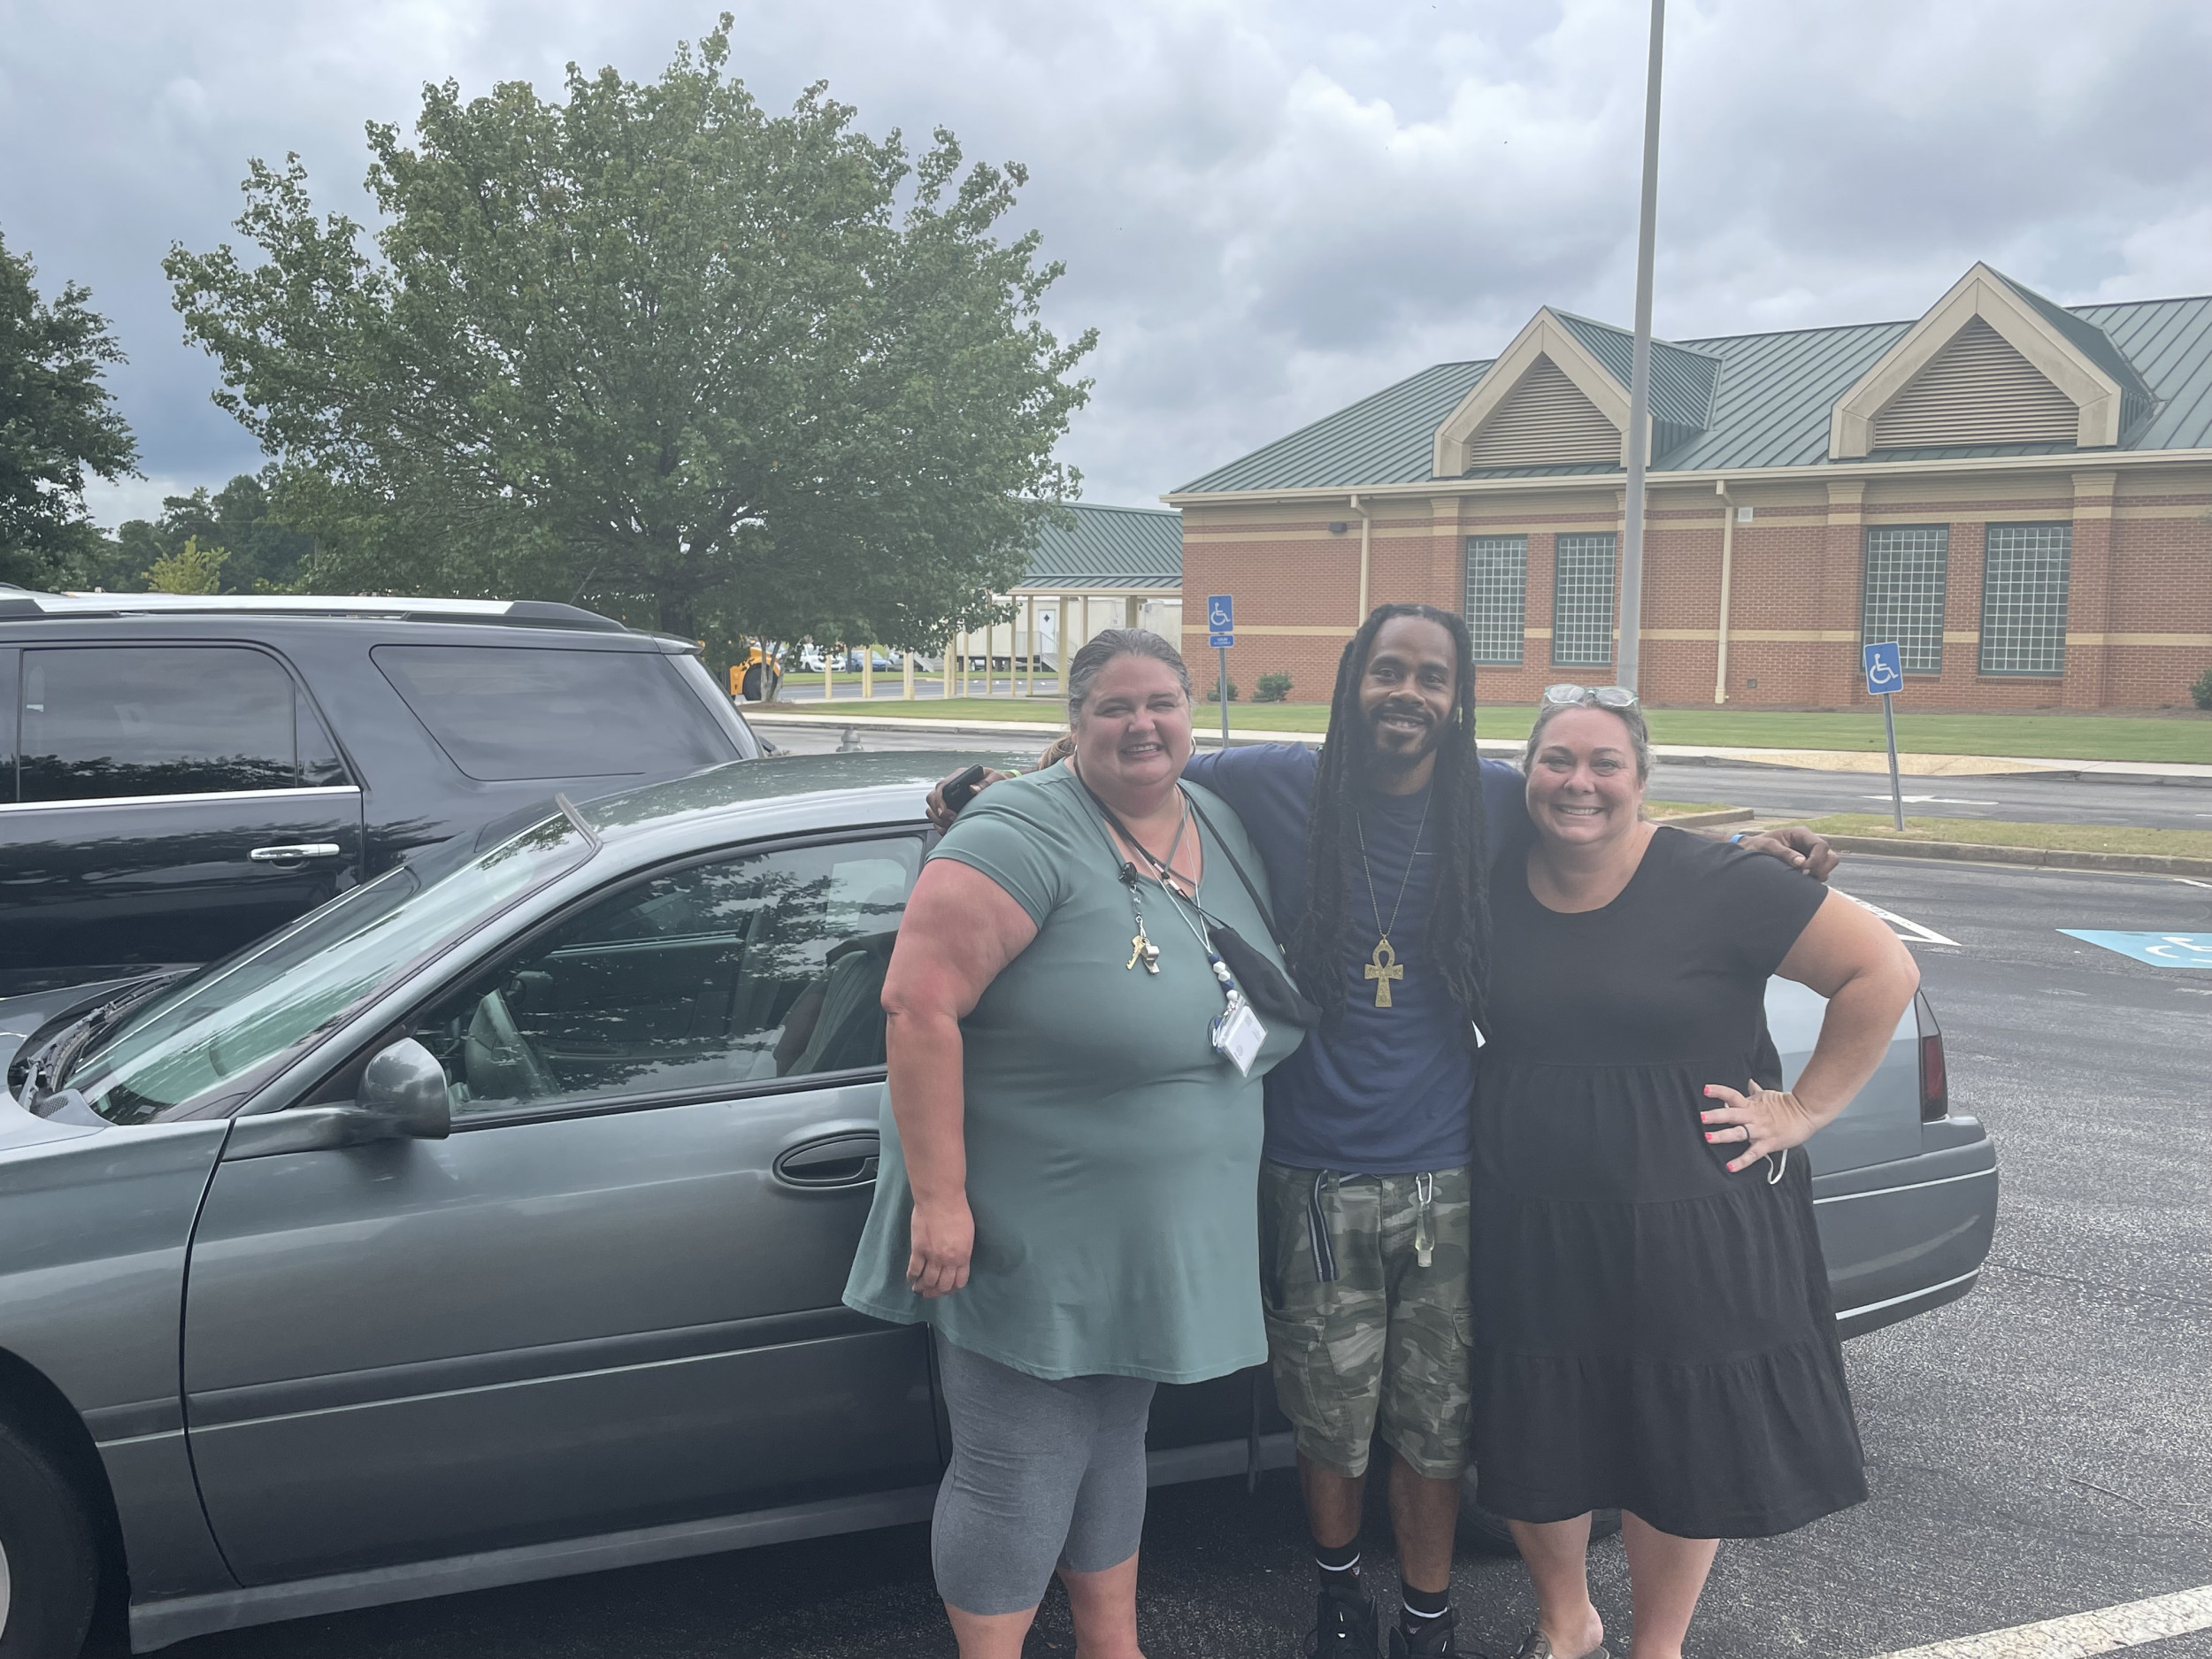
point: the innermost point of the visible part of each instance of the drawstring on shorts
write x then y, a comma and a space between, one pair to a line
1318, 1223
1318, 1233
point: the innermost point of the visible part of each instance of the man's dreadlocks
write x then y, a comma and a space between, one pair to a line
1458, 932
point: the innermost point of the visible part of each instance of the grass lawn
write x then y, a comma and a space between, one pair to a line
2072, 838
2180, 737
1680, 808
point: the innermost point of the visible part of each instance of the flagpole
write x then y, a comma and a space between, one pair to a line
1640, 379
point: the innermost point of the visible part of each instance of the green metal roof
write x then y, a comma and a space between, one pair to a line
1108, 546
1681, 381
1770, 397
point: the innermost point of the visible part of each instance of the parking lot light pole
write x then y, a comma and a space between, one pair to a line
1632, 619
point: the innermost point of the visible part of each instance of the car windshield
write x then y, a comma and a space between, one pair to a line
220, 1032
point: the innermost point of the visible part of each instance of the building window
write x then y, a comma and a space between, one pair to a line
1582, 602
2024, 574
1905, 566
1497, 596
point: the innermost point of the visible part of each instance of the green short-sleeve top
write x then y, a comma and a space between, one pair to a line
1113, 1156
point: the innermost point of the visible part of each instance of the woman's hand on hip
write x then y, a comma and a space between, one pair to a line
1770, 1119
944, 1235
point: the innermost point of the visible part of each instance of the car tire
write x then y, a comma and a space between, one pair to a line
49, 1566
1489, 1533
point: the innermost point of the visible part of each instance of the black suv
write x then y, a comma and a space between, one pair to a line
185, 773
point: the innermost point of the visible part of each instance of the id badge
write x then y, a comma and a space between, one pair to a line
1238, 1033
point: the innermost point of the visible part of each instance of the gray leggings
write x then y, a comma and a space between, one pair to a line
1043, 1473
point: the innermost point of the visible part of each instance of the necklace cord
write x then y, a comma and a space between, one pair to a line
1359, 824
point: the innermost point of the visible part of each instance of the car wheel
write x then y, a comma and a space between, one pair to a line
50, 1570
1488, 1531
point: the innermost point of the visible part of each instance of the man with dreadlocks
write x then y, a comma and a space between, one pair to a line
1376, 852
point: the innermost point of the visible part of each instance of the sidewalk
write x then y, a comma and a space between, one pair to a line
1039, 732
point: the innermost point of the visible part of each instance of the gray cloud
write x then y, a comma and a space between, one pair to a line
1267, 210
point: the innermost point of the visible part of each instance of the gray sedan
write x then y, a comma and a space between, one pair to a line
488, 1225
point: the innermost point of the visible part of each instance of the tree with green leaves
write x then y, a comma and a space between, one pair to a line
245, 517
191, 569
651, 349
59, 425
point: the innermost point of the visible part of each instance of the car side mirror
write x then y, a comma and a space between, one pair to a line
403, 1096
405, 1087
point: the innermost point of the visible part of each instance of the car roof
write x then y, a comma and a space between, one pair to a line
18, 603
782, 795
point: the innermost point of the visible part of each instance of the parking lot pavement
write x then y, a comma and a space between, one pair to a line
1794, 792
1778, 791
2037, 1449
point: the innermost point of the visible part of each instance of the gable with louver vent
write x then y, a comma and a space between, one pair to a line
1978, 388
1546, 420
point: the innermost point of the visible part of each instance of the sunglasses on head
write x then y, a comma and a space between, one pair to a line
1567, 696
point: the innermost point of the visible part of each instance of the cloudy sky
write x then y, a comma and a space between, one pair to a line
1267, 209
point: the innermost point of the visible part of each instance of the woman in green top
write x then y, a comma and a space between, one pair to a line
1070, 1158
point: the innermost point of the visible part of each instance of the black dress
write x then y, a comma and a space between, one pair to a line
1651, 1331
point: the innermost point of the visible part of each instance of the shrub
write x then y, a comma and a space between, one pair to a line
2200, 694
1213, 691
1273, 688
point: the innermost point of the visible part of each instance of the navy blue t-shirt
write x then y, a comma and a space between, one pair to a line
1376, 1091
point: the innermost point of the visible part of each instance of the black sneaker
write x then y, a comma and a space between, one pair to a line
1344, 1627
1434, 1640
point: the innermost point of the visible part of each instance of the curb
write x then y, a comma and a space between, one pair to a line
2034, 857
1707, 820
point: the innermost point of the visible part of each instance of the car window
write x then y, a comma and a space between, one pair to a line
505, 712
107, 720
744, 971
224, 1029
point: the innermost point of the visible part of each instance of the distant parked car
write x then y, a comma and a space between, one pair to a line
186, 773
490, 1224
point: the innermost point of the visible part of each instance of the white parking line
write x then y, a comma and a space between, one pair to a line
2191, 882
2107, 1630
1910, 929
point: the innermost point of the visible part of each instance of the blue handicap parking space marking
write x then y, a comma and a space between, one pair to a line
2160, 950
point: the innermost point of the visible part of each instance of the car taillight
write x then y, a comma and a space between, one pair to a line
1935, 1077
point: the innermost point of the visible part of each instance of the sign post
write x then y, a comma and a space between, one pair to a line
1885, 677
1221, 624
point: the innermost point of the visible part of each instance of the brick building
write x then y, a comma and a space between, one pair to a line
2020, 494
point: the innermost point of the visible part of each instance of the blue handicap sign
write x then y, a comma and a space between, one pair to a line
2160, 950
1885, 670
1221, 614
1221, 641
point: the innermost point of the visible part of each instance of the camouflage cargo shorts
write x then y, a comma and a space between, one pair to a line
1385, 1342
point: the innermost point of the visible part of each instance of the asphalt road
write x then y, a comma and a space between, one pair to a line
1779, 791
1794, 792
2037, 1449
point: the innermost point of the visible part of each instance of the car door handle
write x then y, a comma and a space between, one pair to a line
835, 1161
295, 853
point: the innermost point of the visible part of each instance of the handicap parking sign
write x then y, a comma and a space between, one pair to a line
2160, 950
1885, 670
1221, 615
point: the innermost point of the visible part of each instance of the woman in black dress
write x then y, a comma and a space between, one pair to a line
1652, 1319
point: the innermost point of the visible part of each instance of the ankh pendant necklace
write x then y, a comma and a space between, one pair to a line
1383, 965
